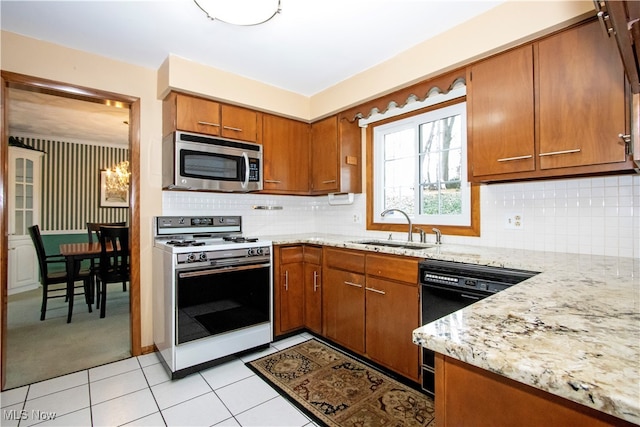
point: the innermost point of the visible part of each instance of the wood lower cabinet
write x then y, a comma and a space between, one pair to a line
288, 288
313, 288
371, 306
343, 298
286, 155
392, 301
470, 396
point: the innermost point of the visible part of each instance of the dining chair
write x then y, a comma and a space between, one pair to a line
93, 230
49, 279
114, 261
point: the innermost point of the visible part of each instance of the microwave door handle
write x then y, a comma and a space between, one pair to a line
246, 170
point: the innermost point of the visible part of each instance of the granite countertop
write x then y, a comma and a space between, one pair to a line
573, 330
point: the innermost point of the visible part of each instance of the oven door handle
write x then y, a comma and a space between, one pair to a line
209, 271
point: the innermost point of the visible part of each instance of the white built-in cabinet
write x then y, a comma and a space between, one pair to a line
24, 190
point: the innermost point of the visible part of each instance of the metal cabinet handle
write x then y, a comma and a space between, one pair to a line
232, 128
352, 284
272, 181
376, 291
553, 153
329, 181
286, 280
509, 159
315, 281
209, 124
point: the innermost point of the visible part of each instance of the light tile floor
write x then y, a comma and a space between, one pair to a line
139, 392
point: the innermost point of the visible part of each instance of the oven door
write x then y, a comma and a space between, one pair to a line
212, 301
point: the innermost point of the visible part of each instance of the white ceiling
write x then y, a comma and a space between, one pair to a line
310, 46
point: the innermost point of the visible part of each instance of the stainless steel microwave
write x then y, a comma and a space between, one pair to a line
192, 161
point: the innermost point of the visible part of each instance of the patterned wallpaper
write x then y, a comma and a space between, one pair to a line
70, 184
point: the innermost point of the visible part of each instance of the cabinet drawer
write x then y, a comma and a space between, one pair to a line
313, 254
344, 260
291, 254
395, 268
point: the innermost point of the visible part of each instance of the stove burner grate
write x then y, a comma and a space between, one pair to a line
240, 239
184, 243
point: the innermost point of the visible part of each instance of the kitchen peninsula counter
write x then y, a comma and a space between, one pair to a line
572, 331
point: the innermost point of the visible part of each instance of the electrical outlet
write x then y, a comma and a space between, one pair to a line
357, 219
514, 221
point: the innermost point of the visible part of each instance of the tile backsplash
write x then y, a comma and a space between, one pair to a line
599, 216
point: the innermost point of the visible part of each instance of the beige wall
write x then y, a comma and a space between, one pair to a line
513, 21
45, 60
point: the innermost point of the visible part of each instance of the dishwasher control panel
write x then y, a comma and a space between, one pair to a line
480, 278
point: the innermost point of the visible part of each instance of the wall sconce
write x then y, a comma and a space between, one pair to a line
240, 12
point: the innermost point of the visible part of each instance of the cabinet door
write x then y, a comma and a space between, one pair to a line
324, 156
286, 155
292, 297
392, 315
500, 120
291, 289
343, 308
23, 203
197, 115
239, 123
581, 99
313, 297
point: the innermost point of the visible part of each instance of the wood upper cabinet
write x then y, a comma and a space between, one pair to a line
196, 114
581, 99
239, 123
501, 111
324, 156
289, 288
285, 155
552, 108
313, 288
199, 115
335, 156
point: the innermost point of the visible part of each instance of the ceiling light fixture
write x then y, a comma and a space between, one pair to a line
240, 12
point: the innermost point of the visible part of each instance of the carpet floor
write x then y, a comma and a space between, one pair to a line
338, 390
40, 350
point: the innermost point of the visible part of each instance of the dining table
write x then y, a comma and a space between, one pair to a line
74, 254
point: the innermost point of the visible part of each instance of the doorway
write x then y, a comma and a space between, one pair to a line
66, 336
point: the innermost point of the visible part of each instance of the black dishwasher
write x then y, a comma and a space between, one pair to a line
448, 286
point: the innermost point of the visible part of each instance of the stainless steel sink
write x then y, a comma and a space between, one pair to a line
394, 244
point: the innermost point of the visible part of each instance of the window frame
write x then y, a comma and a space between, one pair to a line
373, 222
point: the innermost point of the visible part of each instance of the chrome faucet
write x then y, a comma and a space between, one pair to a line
438, 236
410, 235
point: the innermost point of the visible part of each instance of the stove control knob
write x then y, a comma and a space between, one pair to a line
259, 251
191, 257
203, 256
251, 252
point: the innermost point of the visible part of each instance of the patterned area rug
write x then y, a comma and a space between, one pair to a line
338, 390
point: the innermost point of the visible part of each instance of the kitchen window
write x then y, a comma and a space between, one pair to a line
419, 165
